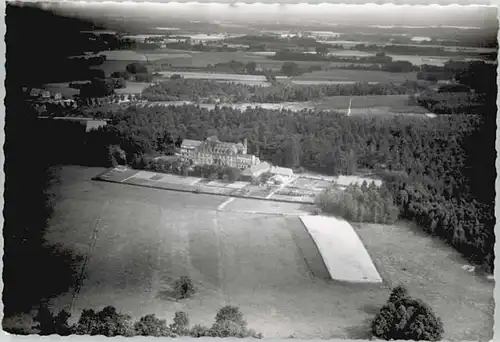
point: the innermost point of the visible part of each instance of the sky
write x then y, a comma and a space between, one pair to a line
369, 14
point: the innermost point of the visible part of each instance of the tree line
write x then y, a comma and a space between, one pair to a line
229, 322
402, 317
208, 91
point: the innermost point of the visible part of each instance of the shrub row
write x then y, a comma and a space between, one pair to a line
229, 322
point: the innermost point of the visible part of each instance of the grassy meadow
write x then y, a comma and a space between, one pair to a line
265, 263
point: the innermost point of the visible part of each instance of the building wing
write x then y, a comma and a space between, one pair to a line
190, 144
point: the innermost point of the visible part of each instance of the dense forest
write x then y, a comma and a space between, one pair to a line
212, 91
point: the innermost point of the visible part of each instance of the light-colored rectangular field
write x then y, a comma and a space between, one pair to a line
344, 254
167, 178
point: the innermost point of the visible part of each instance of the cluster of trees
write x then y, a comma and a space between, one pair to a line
432, 167
406, 318
413, 50
273, 43
287, 69
284, 55
397, 66
101, 87
365, 203
187, 45
229, 322
453, 103
139, 72
212, 91
237, 67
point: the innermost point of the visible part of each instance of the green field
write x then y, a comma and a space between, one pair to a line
371, 104
358, 76
265, 264
179, 59
133, 88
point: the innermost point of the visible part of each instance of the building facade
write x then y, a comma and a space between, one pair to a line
213, 151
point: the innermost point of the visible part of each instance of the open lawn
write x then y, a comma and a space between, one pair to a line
142, 239
371, 104
431, 270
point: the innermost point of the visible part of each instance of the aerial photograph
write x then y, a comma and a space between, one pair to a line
250, 170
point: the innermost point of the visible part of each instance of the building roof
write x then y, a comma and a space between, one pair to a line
187, 143
224, 148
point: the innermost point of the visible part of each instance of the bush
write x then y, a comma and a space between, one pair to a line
227, 328
407, 319
150, 325
49, 324
116, 156
199, 331
183, 288
230, 313
107, 322
181, 323
229, 322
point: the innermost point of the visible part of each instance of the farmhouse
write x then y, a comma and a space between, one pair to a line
214, 151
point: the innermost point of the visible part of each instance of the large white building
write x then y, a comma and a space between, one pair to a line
213, 151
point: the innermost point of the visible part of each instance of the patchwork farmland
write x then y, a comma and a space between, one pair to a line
265, 263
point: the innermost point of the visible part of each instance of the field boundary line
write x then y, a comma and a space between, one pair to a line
92, 242
220, 207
